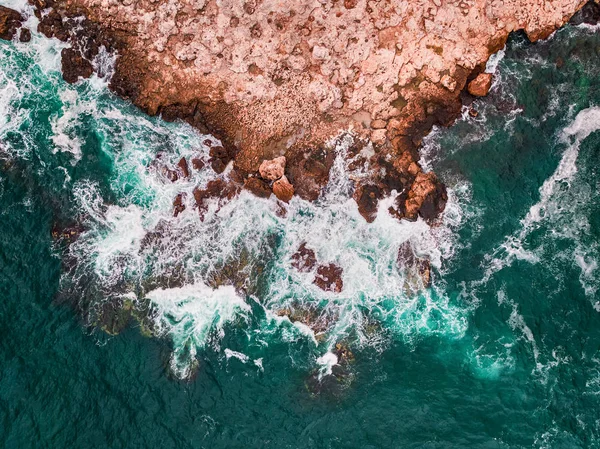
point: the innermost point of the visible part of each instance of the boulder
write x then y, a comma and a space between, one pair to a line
304, 259
179, 204
10, 21
272, 169
198, 163
25, 35
283, 190
183, 168
367, 197
480, 86
329, 278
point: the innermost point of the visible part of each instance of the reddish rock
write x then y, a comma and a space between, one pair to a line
294, 84
367, 197
273, 169
75, 65
183, 168
329, 278
219, 158
10, 21
480, 86
217, 188
304, 259
283, 190
427, 198
257, 186
198, 164
179, 204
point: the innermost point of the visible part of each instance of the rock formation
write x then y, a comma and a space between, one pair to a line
10, 22
275, 79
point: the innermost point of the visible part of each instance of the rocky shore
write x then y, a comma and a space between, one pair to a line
281, 81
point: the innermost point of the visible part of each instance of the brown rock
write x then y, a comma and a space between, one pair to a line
198, 163
304, 259
258, 187
183, 168
480, 86
179, 204
274, 169
75, 66
329, 278
25, 35
217, 188
219, 158
367, 197
283, 190
378, 124
10, 21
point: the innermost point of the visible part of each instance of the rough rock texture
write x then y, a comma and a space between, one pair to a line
329, 278
304, 259
481, 85
273, 78
272, 170
283, 190
10, 21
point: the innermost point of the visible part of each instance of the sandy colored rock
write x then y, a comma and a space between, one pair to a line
283, 190
271, 78
480, 86
273, 169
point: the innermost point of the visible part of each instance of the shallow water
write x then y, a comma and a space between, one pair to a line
502, 351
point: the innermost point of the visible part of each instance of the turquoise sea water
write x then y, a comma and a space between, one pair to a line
502, 352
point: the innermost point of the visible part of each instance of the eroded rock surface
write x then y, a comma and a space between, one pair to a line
10, 22
275, 79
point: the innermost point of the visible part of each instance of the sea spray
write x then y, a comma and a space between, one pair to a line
188, 279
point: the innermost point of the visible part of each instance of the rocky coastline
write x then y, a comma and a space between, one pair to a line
272, 80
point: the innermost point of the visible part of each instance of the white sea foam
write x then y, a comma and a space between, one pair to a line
557, 208
187, 254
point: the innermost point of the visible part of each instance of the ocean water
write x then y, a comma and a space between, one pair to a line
123, 326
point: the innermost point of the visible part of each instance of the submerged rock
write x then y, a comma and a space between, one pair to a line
10, 22
417, 270
304, 259
329, 278
218, 189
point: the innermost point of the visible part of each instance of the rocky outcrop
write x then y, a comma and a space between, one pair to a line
10, 22
272, 79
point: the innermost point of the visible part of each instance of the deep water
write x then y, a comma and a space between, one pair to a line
110, 338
